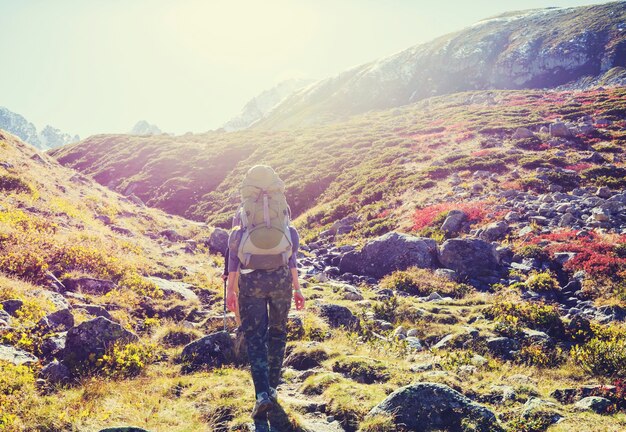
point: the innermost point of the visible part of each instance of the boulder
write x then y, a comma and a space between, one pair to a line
11, 306
428, 406
55, 373
559, 129
218, 241
502, 346
522, 133
173, 288
469, 257
61, 320
16, 356
213, 350
93, 337
53, 345
390, 252
494, 231
597, 404
94, 310
89, 285
454, 221
538, 410
339, 316
171, 235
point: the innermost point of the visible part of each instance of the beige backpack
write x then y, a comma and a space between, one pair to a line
264, 214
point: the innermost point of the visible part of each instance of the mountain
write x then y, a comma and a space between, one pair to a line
48, 138
259, 106
541, 48
142, 127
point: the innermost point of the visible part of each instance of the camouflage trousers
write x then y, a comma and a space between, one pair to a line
264, 303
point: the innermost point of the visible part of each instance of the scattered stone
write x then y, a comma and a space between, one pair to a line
53, 345
171, 235
93, 337
469, 257
522, 133
218, 241
89, 285
214, 350
55, 373
339, 316
179, 289
597, 404
503, 347
430, 406
536, 409
390, 252
61, 320
453, 222
95, 310
494, 231
559, 129
11, 306
121, 230
16, 356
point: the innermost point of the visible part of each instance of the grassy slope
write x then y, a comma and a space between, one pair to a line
372, 163
396, 149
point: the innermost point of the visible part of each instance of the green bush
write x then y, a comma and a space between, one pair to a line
361, 369
600, 357
535, 315
542, 282
421, 282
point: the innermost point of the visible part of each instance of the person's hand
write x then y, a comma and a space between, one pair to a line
298, 298
232, 302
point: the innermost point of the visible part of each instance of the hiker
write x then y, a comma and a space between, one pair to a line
263, 278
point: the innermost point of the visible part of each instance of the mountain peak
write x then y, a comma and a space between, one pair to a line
142, 127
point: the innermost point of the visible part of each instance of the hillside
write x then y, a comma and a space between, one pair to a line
532, 49
409, 157
505, 312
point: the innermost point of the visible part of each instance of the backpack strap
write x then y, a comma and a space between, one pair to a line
266, 211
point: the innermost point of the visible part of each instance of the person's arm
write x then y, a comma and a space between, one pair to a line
298, 297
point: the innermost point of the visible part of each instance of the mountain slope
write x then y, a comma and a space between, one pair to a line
260, 105
405, 157
528, 49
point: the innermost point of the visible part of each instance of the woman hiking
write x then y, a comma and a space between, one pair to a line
262, 280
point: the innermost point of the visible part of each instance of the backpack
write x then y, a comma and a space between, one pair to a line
264, 220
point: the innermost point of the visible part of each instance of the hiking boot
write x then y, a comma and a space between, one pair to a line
273, 395
262, 405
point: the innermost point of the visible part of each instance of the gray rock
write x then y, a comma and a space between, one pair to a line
469, 257
453, 222
178, 289
522, 132
94, 310
559, 129
55, 373
172, 235
597, 404
214, 350
53, 345
390, 252
338, 316
11, 306
430, 406
93, 337
89, 285
61, 320
218, 241
604, 192
414, 343
502, 346
494, 231
535, 409
16, 356
121, 230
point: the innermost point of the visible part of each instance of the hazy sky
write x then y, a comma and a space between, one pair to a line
93, 66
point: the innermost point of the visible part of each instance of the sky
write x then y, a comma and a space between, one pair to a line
99, 66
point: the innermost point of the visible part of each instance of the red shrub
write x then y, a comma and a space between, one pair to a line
476, 212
